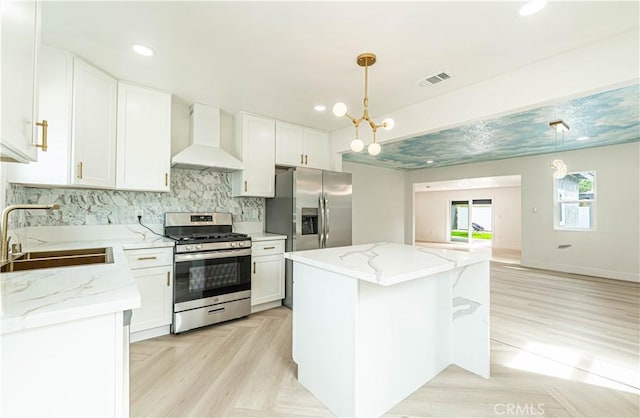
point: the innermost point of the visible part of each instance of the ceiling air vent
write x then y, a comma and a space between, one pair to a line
434, 79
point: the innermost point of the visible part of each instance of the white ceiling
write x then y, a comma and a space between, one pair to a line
281, 59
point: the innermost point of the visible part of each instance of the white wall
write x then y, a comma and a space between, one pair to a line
378, 204
609, 251
432, 214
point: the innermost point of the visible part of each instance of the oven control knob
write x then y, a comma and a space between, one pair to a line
188, 247
198, 246
232, 244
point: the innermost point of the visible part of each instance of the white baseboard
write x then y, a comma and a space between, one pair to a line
149, 333
265, 306
587, 271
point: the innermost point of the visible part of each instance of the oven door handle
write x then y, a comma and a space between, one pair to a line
212, 255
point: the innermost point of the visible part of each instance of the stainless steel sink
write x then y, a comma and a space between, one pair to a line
62, 258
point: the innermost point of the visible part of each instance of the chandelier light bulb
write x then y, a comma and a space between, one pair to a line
559, 169
388, 124
374, 148
339, 109
357, 145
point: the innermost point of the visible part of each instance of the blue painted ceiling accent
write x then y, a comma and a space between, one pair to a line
607, 118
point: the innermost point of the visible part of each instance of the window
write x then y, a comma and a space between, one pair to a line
575, 201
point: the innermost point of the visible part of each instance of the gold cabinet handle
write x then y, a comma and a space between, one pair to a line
79, 174
148, 258
245, 185
166, 179
269, 248
168, 279
306, 157
254, 267
45, 126
301, 158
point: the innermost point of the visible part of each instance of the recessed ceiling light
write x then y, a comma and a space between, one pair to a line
429, 161
143, 50
532, 7
582, 138
320, 108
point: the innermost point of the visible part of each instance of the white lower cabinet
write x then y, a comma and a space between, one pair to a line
77, 368
267, 275
153, 271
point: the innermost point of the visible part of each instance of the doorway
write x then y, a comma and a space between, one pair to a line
471, 222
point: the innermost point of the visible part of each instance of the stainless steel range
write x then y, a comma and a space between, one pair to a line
212, 269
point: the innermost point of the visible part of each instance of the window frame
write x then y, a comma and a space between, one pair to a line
558, 214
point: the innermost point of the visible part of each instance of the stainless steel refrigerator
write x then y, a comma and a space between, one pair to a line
313, 209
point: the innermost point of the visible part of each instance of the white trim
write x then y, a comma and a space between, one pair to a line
587, 271
149, 333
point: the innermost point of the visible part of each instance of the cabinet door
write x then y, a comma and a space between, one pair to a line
316, 149
156, 293
267, 279
94, 126
55, 76
289, 144
143, 139
20, 38
258, 156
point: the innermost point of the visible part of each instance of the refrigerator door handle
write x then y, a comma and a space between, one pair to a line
327, 223
322, 222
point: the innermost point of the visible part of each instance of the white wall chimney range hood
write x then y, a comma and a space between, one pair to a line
204, 150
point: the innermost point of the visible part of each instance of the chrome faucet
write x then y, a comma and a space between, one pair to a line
4, 250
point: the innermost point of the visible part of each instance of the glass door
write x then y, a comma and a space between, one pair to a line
471, 221
459, 228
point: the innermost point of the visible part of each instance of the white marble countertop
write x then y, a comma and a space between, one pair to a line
386, 263
265, 236
44, 297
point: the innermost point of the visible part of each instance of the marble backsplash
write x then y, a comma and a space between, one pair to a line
191, 190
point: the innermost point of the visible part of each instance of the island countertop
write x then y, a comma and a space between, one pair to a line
386, 263
42, 297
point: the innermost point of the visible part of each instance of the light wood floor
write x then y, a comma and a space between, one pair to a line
561, 345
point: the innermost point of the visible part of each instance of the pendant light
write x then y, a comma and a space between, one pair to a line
365, 60
558, 165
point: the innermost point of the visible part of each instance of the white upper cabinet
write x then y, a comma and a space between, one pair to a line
255, 145
55, 78
316, 149
94, 126
143, 139
289, 144
80, 103
20, 39
301, 147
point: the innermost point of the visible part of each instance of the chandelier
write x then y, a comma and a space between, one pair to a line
559, 166
365, 60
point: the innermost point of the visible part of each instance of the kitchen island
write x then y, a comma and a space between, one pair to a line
372, 323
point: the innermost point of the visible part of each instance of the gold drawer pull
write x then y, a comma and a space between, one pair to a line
168, 279
166, 179
245, 185
44, 125
306, 157
301, 158
79, 174
147, 258
254, 267
269, 248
